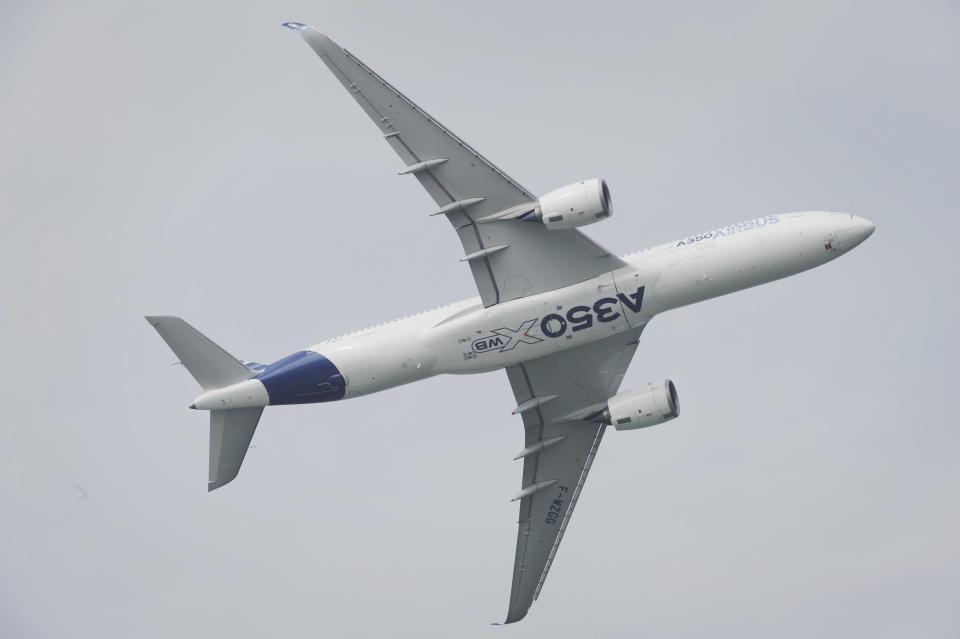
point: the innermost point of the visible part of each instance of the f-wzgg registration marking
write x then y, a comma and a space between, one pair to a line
556, 506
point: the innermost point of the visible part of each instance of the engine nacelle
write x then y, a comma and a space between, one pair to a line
574, 205
642, 407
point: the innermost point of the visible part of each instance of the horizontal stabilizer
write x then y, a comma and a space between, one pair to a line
209, 364
230, 434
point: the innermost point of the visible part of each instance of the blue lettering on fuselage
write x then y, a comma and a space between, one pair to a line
733, 229
555, 325
486, 343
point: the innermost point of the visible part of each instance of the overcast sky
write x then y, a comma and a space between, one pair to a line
197, 159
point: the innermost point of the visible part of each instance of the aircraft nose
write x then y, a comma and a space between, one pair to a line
850, 230
866, 226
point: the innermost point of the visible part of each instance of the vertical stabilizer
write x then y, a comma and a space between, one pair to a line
230, 434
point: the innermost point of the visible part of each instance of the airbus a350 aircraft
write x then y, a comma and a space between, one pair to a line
557, 311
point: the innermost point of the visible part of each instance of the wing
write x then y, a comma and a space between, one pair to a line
556, 395
509, 258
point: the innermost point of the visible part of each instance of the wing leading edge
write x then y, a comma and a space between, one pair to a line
560, 445
509, 259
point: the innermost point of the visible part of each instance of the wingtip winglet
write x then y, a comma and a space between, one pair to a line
295, 26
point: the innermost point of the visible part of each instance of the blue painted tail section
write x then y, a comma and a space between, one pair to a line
305, 377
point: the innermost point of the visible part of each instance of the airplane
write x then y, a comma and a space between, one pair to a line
558, 312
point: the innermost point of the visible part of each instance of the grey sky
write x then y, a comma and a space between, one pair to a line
197, 159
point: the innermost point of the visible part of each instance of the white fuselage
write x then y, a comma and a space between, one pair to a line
464, 337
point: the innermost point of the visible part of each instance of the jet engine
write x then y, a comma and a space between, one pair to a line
642, 407
573, 205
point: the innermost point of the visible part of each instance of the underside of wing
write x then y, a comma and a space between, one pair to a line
509, 258
554, 478
556, 396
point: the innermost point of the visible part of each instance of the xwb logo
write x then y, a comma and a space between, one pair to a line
506, 339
